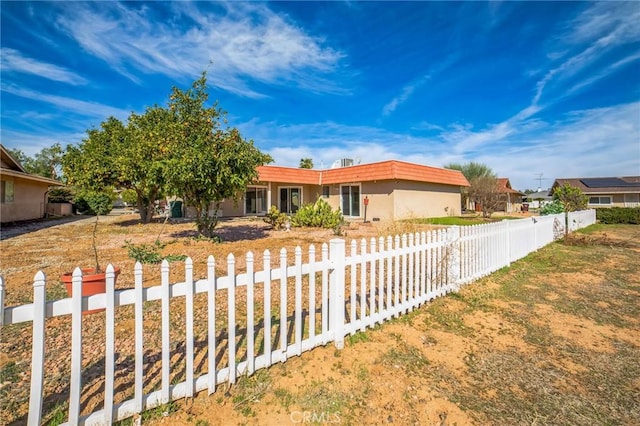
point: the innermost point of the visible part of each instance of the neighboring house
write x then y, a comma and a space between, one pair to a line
385, 190
23, 196
606, 191
510, 199
539, 199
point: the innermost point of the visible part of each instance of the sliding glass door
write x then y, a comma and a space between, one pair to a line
290, 199
350, 200
255, 200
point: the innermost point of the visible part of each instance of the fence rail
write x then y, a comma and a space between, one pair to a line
260, 317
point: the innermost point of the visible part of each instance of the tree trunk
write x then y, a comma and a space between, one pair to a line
205, 223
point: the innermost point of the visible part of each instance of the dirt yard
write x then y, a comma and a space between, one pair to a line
554, 339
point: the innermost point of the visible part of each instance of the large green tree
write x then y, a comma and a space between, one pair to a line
90, 165
45, 163
208, 162
123, 156
484, 185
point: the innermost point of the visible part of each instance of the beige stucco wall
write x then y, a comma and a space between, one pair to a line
394, 200
388, 200
59, 209
28, 203
417, 199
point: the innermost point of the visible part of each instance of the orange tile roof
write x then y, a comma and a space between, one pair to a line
384, 170
505, 186
288, 175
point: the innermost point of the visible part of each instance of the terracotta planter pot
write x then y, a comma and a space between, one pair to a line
92, 283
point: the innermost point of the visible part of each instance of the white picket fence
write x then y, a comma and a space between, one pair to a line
345, 289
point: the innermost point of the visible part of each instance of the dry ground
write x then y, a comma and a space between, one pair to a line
555, 339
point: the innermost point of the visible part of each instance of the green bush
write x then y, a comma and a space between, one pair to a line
553, 207
317, 215
94, 203
60, 195
623, 215
275, 218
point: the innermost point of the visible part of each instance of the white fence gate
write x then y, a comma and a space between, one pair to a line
285, 309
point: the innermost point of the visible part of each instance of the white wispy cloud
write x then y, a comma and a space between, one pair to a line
14, 61
404, 95
601, 28
248, 42
70, 105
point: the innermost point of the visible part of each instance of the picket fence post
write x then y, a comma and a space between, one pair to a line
336, 290
37, 348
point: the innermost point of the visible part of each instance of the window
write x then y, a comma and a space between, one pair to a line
255, 200
6, 191
350, 200
600, 200
290, 199
325, 191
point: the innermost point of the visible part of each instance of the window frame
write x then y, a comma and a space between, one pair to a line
600, 197
7, 191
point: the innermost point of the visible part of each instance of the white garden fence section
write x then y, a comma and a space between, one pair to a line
341, 290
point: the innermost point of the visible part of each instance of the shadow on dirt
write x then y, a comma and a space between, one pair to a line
15, 229
230, 233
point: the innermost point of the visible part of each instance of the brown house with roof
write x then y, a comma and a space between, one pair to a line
389, 190
23, 196
606, 191
510, 200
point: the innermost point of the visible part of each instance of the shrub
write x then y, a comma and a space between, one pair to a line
275, 218
553, 207
623, 215
60, 195
94, 203
317, 215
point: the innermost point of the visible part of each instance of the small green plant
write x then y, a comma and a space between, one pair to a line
250, 390
160, 411
9, 372
407, 357
553, 207
145, 253
57, 415
275, 218
285, 397
318, 215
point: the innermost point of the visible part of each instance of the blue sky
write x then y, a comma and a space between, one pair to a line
526, 88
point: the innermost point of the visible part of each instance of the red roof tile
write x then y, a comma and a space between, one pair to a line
504, 186
384, 170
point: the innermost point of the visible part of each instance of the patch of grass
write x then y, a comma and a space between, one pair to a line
450, 221
357, 338
57, 415
407, 357
323, 397
250, 390
9, 372
159, 412
441, 318
56, 291
285, 397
